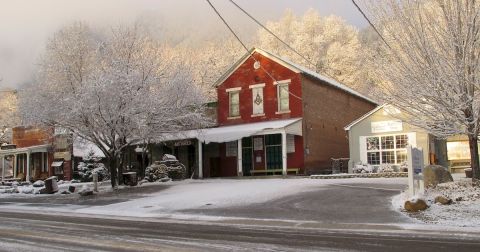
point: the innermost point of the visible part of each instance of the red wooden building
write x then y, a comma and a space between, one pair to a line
275, 117
37, 153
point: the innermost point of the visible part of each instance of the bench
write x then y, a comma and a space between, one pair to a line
457, 166
273, 171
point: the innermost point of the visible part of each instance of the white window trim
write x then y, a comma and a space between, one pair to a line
233, 89
260, 85
395, 149
257, 115
229, 91
282, 81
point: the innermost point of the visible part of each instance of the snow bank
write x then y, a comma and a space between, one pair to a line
463, 212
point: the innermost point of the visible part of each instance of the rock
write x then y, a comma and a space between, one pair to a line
459, 199
435, 174
86, 192
415, 205
443, 200
43, 191
39, 183
71, 189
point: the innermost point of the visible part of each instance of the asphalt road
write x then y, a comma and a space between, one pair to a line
337, 203
30, 232
348, 217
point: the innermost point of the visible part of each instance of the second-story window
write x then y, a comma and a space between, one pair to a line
283, 96
234, 102
257, 99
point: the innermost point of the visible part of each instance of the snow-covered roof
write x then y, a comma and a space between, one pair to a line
30, 149
294, 67
235, 132
363, 117
81, 148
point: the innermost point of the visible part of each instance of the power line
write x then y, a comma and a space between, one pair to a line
370, 23
245, 47
274, 35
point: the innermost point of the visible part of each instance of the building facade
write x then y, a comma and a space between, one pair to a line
378, 137
273, 117
37, 153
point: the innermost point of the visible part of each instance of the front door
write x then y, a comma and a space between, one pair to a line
273, 147
247, 156
258, 153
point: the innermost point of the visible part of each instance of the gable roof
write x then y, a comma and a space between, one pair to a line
292, 66
364, 116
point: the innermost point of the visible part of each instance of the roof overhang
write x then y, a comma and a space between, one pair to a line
236, 132
30, 149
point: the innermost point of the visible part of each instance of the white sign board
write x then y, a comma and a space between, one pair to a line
386, 126
257, 143
415, 170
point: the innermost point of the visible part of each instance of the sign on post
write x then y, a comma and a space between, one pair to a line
415, 170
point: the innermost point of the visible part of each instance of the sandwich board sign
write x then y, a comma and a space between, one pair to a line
415, 170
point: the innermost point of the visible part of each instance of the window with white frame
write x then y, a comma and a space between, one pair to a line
283, 97
234, 103
257, 99
390, 149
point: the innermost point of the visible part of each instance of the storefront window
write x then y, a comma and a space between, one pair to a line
389, 149
373, 158
372, 143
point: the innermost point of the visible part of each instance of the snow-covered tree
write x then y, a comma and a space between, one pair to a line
328, 42
431, 68
210, 60
8, 114
114, 89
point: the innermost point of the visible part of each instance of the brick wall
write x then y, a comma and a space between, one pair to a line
327, 110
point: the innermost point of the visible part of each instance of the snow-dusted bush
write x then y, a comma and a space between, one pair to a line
169, 167
363, 168
385, 168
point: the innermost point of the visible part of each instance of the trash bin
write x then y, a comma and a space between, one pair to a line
468, 172
51, 185
130, 178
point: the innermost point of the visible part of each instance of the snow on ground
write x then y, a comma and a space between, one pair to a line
463, 212
209, 193
31, 191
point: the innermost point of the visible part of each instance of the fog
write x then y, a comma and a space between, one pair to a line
26, 25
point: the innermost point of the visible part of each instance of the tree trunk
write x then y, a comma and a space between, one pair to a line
113, 171
473, 143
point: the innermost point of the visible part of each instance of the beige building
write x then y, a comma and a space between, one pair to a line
378, 137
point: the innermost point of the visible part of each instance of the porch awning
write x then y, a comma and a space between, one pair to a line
30, 149
57, 163
236, 132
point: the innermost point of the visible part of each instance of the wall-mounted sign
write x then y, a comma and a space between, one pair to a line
387, 126
257, 143
183, 143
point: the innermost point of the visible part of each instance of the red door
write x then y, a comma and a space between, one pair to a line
258, 152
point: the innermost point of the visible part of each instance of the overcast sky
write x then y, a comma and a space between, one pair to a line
25, 25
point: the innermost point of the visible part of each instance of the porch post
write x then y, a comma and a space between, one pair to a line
15, 165
3, 168
200, 158
284, 153
239, 158
27, 178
